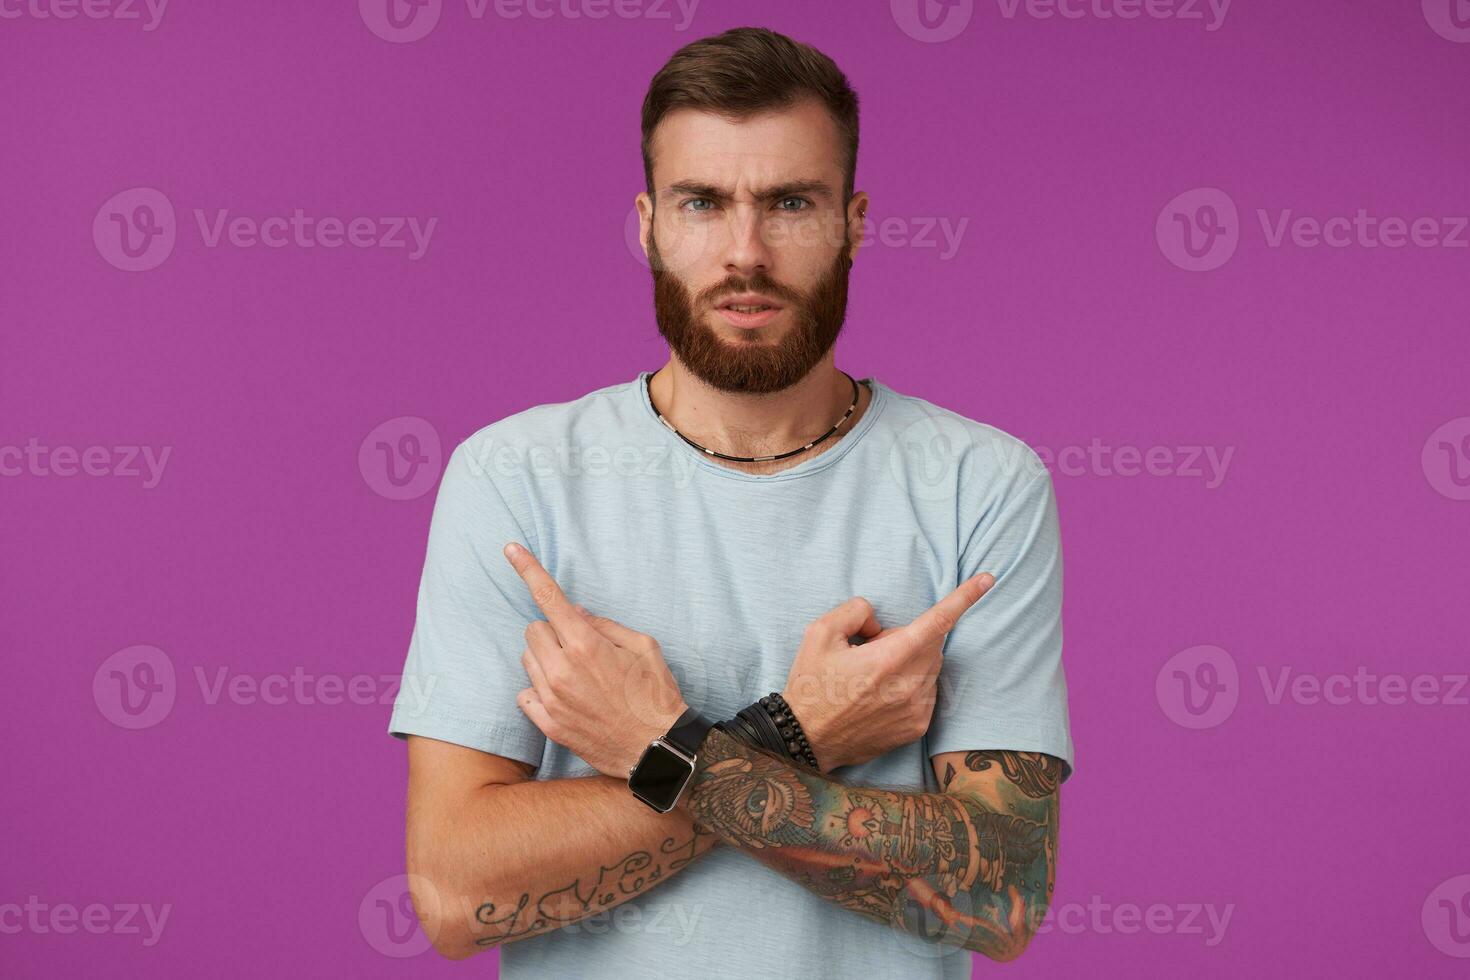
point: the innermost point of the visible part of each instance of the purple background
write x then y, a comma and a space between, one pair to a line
1335, 541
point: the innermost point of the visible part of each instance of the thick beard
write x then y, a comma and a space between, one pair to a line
755, 367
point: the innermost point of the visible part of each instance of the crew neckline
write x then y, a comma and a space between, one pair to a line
805, 468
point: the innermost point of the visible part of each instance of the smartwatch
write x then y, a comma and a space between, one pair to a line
665, 768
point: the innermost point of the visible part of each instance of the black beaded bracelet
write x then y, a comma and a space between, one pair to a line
771, 724
793, 738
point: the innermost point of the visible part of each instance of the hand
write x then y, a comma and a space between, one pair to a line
856, 702
597, 687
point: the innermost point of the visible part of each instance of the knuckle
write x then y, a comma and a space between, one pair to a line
543, 594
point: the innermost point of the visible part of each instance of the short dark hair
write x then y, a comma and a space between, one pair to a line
746, 70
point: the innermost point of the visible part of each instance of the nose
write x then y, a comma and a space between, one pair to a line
746, 249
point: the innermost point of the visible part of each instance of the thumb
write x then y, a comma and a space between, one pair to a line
854, 618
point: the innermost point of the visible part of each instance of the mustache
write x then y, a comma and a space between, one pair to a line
759, 283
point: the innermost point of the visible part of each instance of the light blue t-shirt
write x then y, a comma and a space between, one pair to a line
726, 569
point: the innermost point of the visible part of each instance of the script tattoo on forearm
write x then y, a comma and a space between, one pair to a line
968, 869
635, 873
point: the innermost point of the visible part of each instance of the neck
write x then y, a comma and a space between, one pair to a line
741, 424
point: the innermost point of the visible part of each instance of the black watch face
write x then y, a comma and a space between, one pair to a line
659, 776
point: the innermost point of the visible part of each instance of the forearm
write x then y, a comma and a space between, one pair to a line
942, 866
518, 860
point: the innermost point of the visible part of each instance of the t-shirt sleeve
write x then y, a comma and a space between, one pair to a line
463, 668
1001, 685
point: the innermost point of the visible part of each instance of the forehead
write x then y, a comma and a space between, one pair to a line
799, 142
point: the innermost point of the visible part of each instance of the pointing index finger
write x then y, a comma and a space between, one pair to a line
545, 592
940, 618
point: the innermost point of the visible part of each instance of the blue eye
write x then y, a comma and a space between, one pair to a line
697, 200
799, 200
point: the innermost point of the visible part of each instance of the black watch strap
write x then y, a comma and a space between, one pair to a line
689, 731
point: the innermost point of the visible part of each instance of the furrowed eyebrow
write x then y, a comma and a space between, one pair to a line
814, 188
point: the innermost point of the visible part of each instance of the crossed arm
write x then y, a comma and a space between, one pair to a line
495, 856
971, 866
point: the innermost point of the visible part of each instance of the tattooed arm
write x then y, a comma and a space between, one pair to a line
495, 856
971, 866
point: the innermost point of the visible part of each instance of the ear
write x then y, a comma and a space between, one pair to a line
857, 223
644, 204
